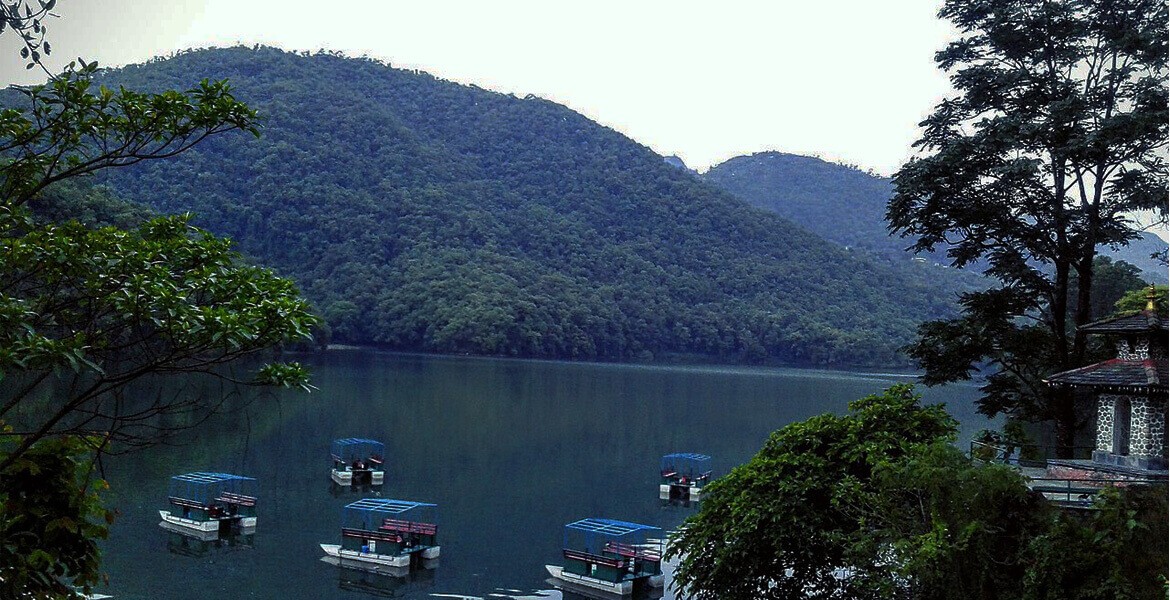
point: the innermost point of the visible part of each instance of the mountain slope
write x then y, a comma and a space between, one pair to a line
848, 206
838, 203
1139, 254
421, 214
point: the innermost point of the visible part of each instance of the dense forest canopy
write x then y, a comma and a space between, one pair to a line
421, 214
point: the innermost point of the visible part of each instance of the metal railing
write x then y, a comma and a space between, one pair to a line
1081, 492
1064, 491
1023, 455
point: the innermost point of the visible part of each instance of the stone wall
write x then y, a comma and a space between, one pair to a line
1105, 405
1147, 430
1148, 433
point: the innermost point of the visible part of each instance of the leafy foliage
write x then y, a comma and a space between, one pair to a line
51, 519
1111, 281
1118, 551
27, 20
89, 205
65, 128
424, 215
949, 529
785, 524
85, 311
1057, 133
1137, 300
102, 307
879, 504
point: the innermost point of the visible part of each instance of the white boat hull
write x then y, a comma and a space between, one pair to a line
400, 572
623, 588
385, 560
694, 492
205, 526
346, 477
188, 532
188, 523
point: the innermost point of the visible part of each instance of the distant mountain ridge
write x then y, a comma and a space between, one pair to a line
840, 204
847, 206
419, 214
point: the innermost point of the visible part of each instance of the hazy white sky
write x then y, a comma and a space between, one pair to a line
847, 80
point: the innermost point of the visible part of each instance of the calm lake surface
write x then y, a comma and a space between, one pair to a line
510, 451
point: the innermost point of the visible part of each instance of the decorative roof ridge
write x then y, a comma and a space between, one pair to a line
1086, 368
1151, 320
1140, 376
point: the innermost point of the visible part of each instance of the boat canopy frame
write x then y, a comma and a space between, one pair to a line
348, 450
685, 464
592, 535
372, 514
206, 488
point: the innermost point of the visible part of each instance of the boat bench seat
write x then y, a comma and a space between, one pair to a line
409, 527
365, 534
588, 557
188, 503
632, 552
240, 499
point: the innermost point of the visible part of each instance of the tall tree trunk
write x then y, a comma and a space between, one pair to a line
1084, 307
1059, 307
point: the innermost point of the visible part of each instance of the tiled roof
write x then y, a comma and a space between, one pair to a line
1145, 321
1139, 376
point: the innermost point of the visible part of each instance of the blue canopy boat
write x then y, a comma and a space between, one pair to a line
211, 502
357, 461
384, 532
683, 476
609, 556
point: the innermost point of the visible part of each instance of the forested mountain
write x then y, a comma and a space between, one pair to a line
848, 206
1138, 253
838, 203
425, 215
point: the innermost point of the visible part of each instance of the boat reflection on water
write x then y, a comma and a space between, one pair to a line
190, 542
381, 580
364, 490
571, 591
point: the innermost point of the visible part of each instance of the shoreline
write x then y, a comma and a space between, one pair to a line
696, 361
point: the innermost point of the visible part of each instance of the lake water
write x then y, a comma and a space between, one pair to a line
510, 451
